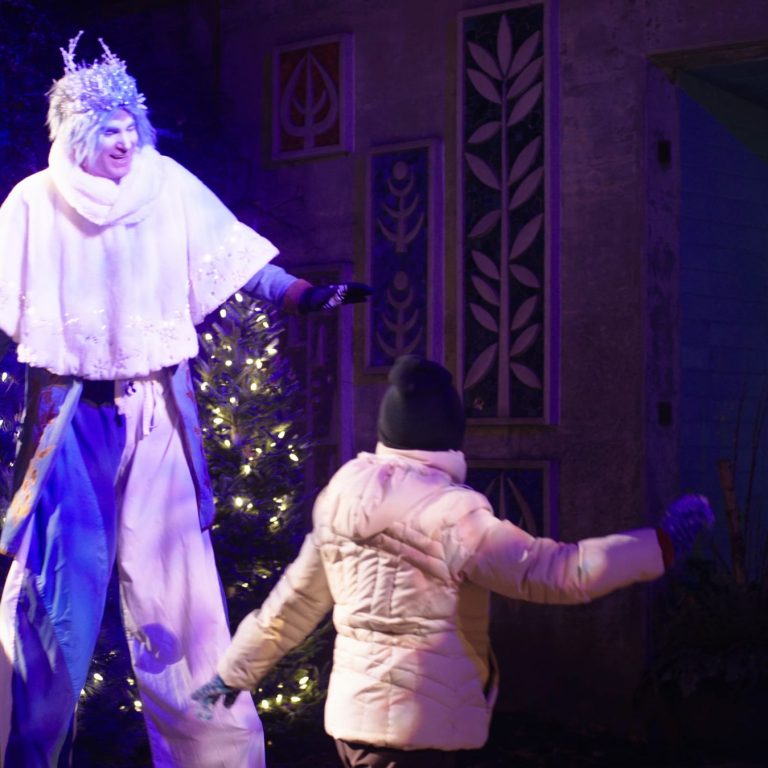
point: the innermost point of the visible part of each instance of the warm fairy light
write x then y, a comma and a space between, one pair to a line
233, 400
203, 386
279, 698
227, 443
264, 703
303, 681
137, 705
295, 699
239, 297
246, 469
245, 585
281, 434
239, 501
254, 386
222, 312
271, 351
218, 420
4, 376
228, 363
130, 681
98, 677
293, 457
259, 364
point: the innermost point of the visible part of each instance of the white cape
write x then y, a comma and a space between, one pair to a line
107, 281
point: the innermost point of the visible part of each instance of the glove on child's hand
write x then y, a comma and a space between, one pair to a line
323, 297
684, 519
207, 695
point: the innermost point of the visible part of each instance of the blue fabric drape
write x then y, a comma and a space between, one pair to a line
68, 562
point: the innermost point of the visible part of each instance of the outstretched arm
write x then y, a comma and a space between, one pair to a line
507, 560
513, 563
297, 296
293, 608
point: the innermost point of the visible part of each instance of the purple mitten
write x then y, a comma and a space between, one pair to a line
683, 520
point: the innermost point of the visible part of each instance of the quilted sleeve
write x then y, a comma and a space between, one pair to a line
293, 608
505, 559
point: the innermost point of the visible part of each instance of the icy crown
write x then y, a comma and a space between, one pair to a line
101, 87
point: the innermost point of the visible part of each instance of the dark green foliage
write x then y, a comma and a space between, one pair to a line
710, 630
11, 405
250, 403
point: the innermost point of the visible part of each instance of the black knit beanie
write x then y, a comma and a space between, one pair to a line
421, 409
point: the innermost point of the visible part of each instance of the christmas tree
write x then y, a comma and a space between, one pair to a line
250, 407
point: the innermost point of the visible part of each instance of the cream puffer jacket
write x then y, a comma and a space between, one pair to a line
406, 557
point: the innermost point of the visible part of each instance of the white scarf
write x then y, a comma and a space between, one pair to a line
101, 200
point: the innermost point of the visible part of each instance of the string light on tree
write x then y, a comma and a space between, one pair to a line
249, 404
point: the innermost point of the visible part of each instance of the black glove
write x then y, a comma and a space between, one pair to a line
207, 695
323, 297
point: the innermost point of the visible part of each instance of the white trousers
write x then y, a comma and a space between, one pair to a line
171, 598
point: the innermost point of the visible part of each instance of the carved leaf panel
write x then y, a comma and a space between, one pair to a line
400, 243
519, 491
503, 193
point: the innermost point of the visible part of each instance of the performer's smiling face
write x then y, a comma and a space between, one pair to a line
114, 147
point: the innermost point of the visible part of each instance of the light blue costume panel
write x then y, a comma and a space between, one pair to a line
69, 544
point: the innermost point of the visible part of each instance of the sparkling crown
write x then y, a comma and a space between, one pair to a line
93, 90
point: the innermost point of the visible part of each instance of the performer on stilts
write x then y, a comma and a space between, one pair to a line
109, 258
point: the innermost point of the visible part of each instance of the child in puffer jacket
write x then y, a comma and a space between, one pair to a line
406, 556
